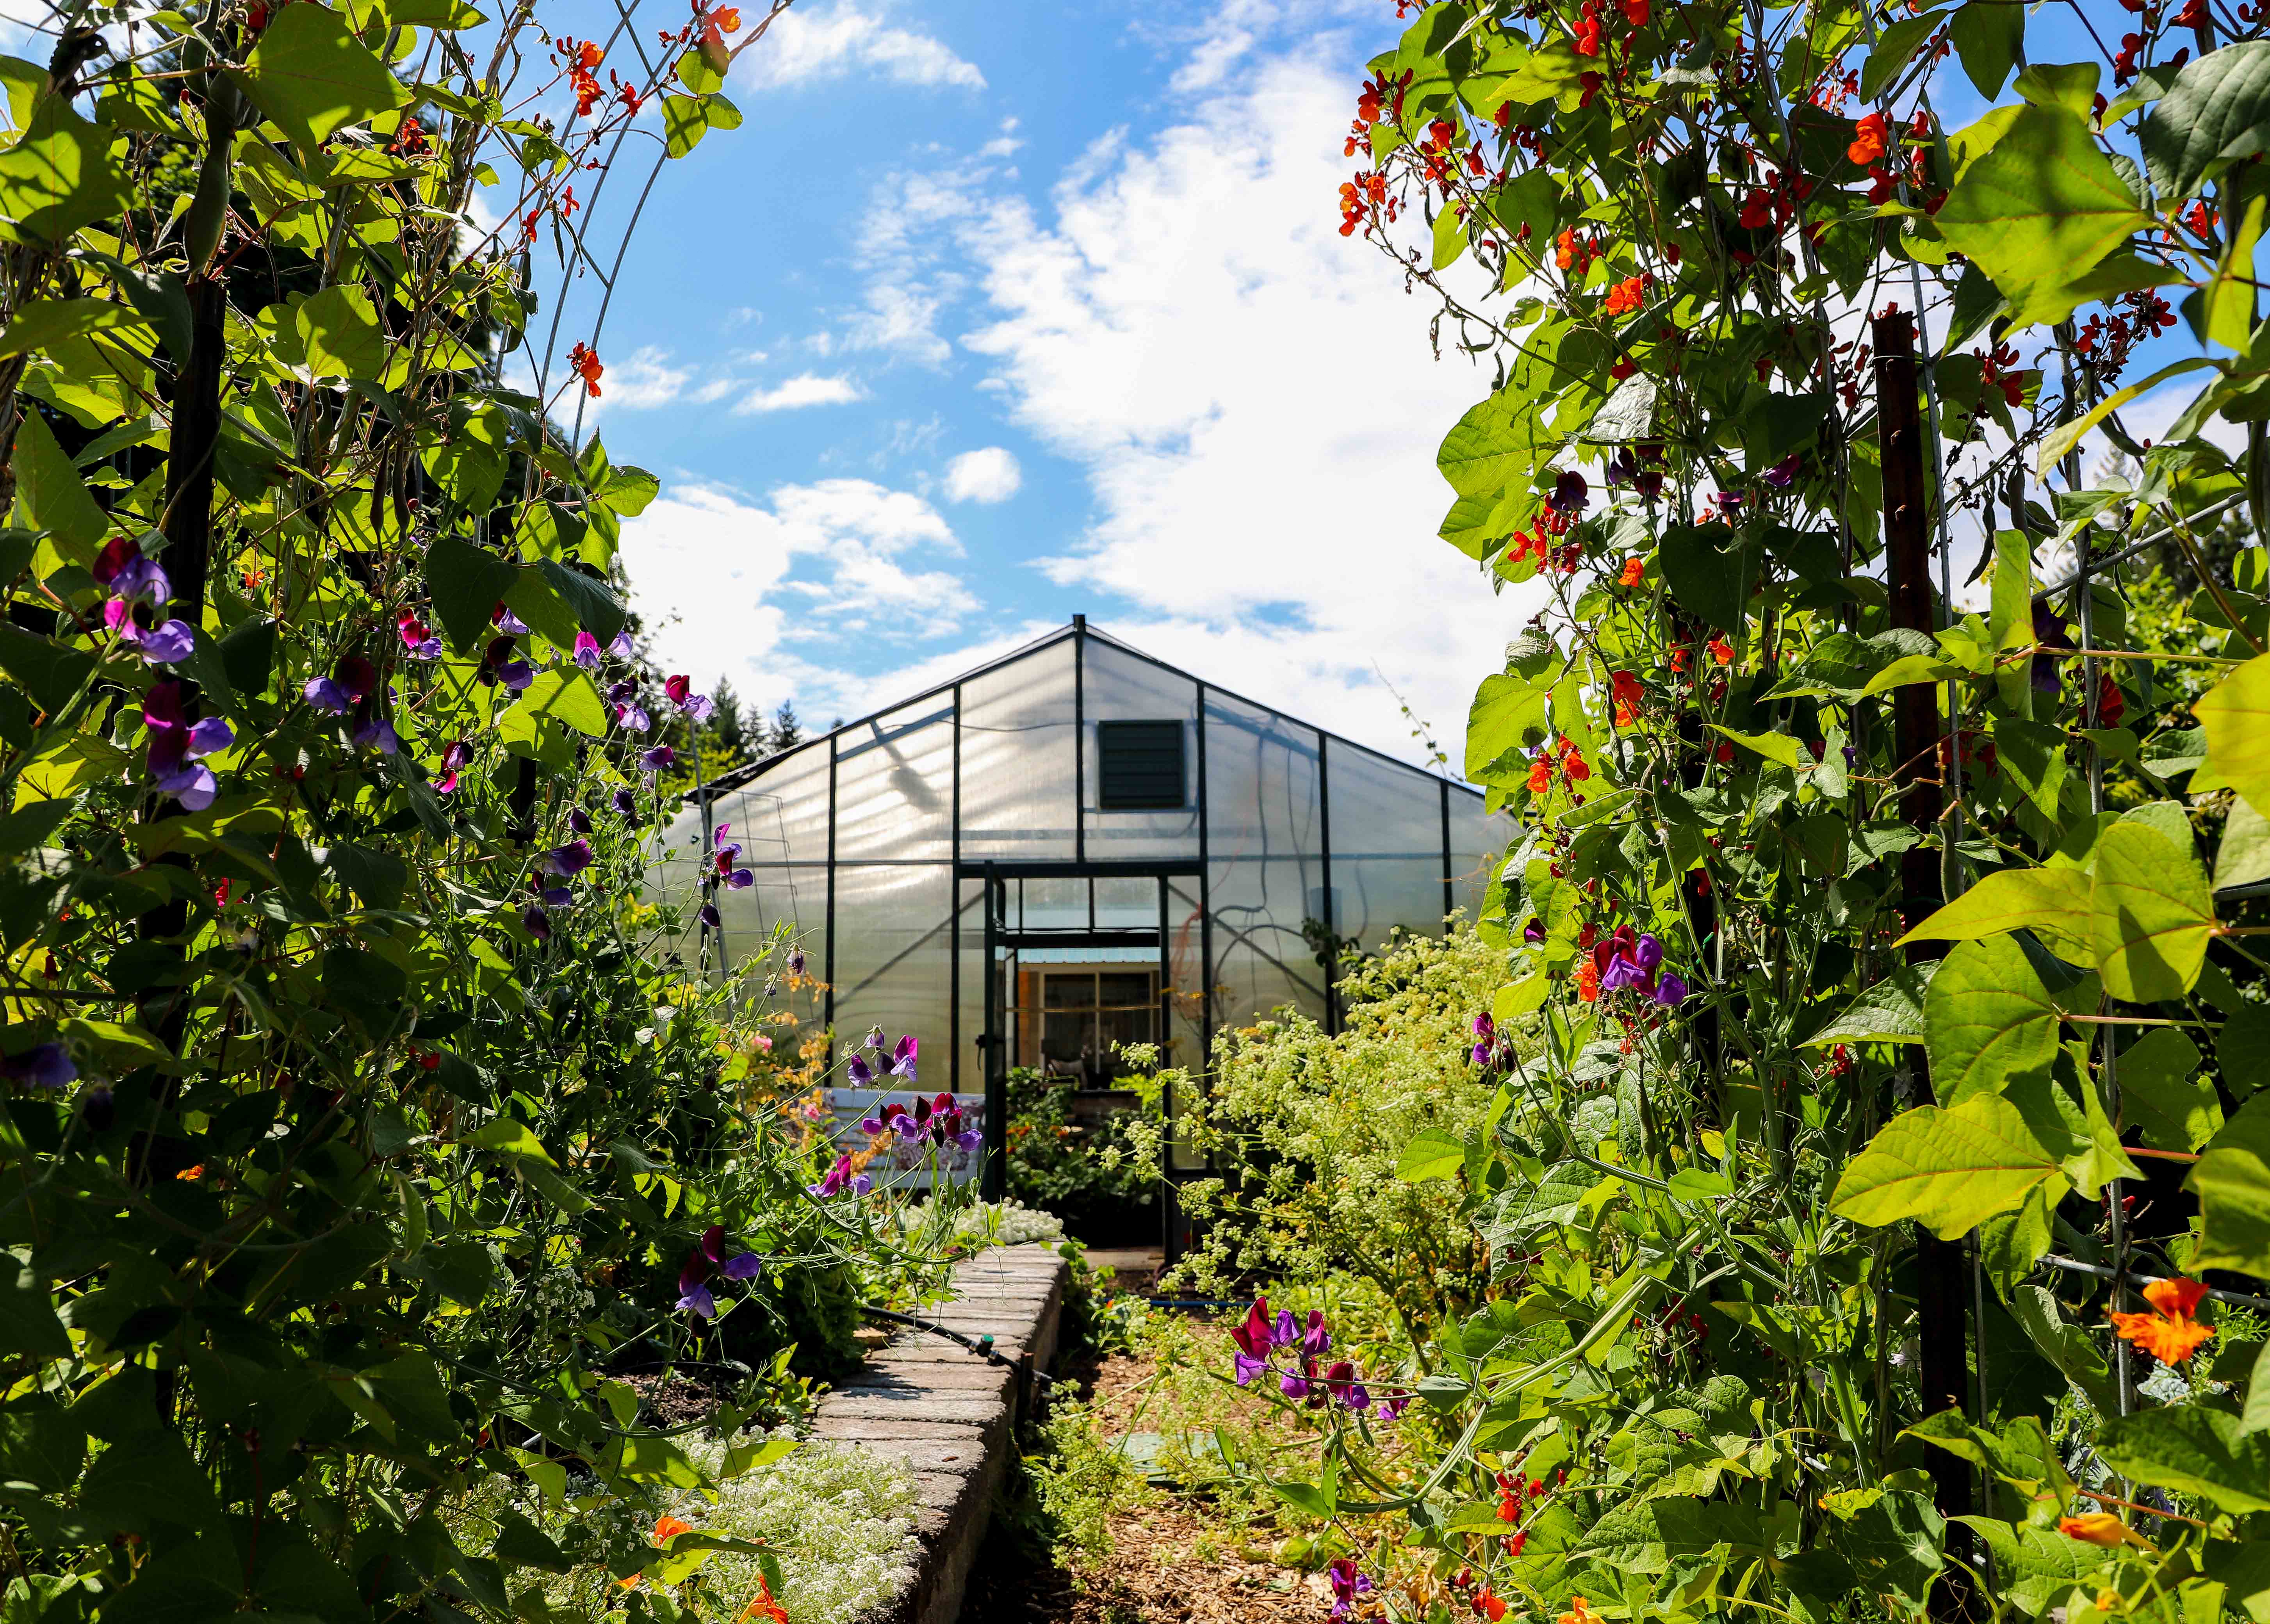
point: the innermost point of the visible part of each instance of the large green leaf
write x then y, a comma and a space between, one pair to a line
312, 75
1497, 442
2070, 1347
2232, 1183
2053, 903
2191, 1448
339, 327
2236, 714
1890, 1012
2163, 1096
2217, 109
1987, 1017
2151, 915
466, 583
1507, 714
50, 496
565, 694
1710, 582
1987, 35
2043, 206
44, 322
58, 176
1948, 1169
2244, 857
1842, 664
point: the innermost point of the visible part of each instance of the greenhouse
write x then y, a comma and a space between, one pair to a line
1076, 848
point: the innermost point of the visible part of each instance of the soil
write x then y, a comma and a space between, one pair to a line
1151, 1574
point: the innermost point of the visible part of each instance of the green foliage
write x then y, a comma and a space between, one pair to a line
1099, 1180
361, 1128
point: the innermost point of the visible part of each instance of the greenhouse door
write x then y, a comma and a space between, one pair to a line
1064, 943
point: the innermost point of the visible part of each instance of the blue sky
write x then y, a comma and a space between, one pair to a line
989, 314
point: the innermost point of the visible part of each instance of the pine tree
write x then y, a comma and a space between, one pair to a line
728, 727
787, 732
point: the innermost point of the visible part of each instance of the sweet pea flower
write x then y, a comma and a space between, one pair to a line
1533, 932
711, 916
1315, 1341
1348, 1584
418, 639
556, 896
380, 732
1570, 492
569, 860
740, 879
1254, 1343
620, 648
453, 761
632, 719
176, 745
902, 1058
356, 677
656, 760
837, 1179
693, 1297
587, 651
327, 696
1342, 1383
1671, 991
163, 645
626, 802
1783, 473
796, 961
121, 570
856, 1072
516, 675
43, 1065
536, 922
510, 624
579, 821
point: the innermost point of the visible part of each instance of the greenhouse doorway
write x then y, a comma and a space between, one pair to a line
1078, 961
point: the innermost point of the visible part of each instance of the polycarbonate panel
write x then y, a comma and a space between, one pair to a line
789, 901
1477, 845
894, 786
1120, 688
1261, 789
1387, 847
892, 953
1020, 797
1261, 957
780, 816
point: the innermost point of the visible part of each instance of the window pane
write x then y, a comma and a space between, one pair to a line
1069, 992
1121, 991
1017, 770
1477, 845
892, 957
1120, 686
894, 786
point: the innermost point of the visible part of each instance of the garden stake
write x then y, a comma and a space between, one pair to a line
1941, 1267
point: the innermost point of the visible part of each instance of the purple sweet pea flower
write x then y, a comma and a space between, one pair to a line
872, 1125
1391, 1409
192, 784
165, 644
1621, 468
1783, 473
656, 760
740, 879
1570, 492
862, 1185
379, 732
1533, 932
579, 821
587, 651
902, 1058
327, 696
210, 734
1348, 1584
695, 1298
620, 648
970, 1138
557, 896
1480, 1055
356, 677
1286, 1331
698, 709
1671, 991
510, 624
632, 719
43, 1065
858, 1074
711, 916
569, 860
626, 802
1293, 1384
1345, 1388
1647, 953
516, 675
1246, 1366
837, 1178
742, 1266
717, 836
454, 759
620, 691
1315, 1341
537, 923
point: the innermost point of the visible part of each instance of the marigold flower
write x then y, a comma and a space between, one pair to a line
2168, 1333
1868, 146
2101, 1528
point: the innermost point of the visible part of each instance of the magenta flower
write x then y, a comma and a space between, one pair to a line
1345, 1388
43, 1065
1533, 932
902, 1059
836, 1180
1253, 1341
1348, 1584
175, 745
587, 651
1315, 1341
452, 762
717, 836
356, 677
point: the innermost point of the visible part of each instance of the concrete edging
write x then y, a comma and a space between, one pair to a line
950, 1415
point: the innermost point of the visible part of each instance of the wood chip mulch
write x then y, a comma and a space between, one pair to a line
1152, 1573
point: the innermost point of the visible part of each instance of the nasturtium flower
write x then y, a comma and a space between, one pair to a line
43, 1065
2101, 1528
1634, 571
1578, 1613
2168, 1332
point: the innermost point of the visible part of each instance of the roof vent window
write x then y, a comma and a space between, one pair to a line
1140, 767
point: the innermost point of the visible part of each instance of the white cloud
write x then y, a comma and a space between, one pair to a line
805, 389
804, 47
987, 477
728, 585
1254, 401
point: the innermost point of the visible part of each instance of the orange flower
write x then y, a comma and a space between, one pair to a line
1722, 652
1624, 689
584, 363
2168, 1334
1633, 570
191, 1175
1868, 146
1626, 295
1636, 13
1679, 657
2101, 1528
1489, 1606
1588, 981
1578, 1613
764, 1607
667, 1528
1541, 775
728, 21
